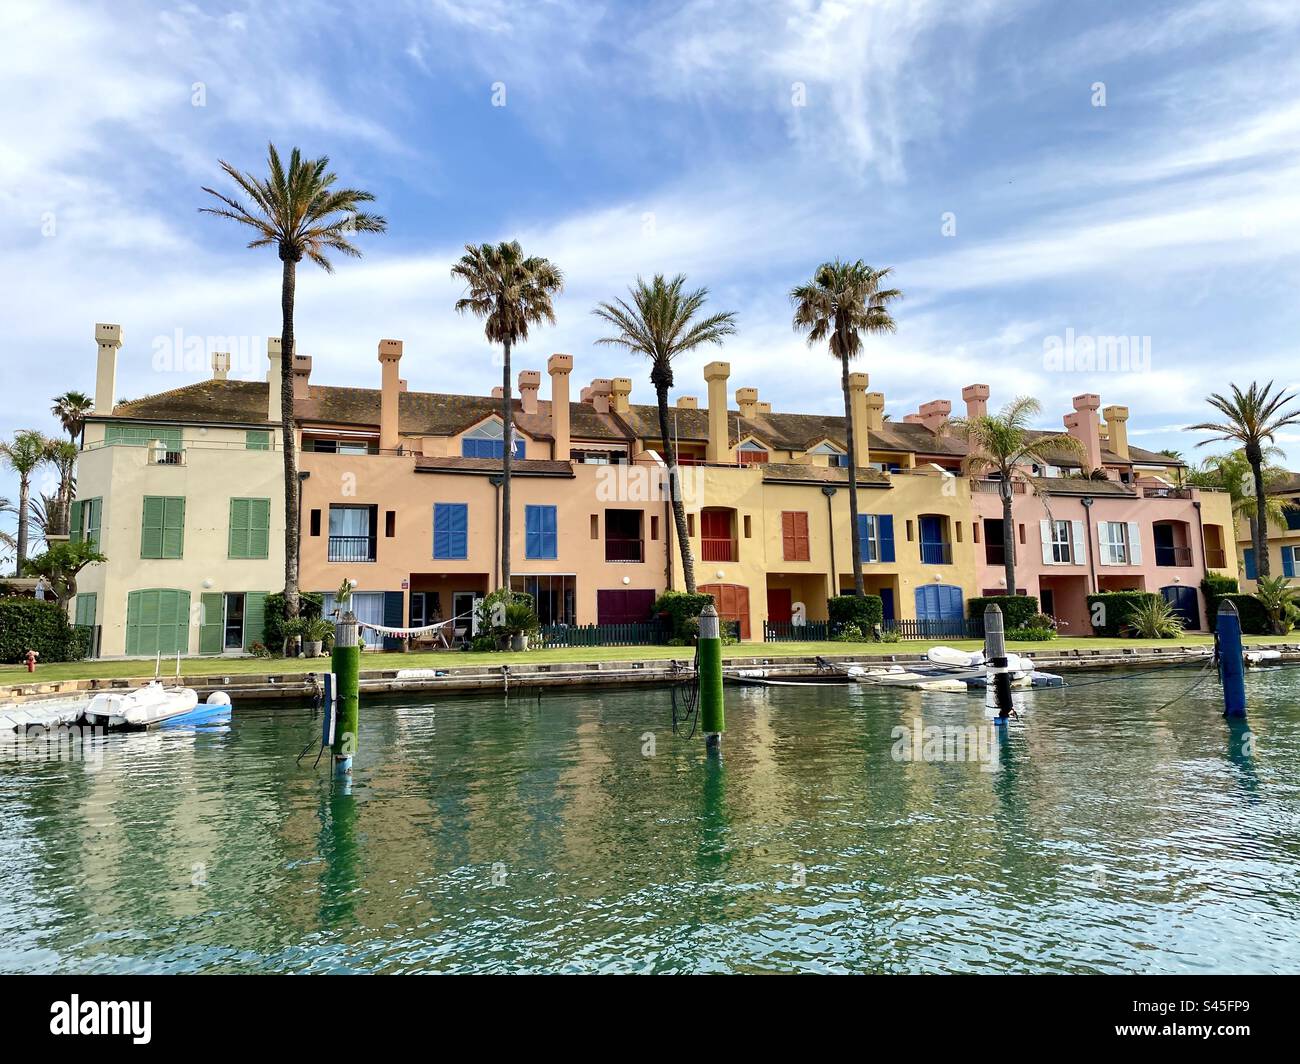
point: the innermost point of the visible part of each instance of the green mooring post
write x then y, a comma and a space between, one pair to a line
712, 716
345, 660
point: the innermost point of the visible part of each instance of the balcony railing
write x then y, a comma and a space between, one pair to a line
1162, 492
1216, 558
624, 550
994, 487
717, 550
1174, 556
351, 549
936, 553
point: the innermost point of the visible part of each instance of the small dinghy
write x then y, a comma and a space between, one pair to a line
1255, 658
141, 708
952, 670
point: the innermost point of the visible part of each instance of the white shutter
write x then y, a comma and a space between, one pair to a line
1134, 544
1103, 543
1045, 530
1079, 544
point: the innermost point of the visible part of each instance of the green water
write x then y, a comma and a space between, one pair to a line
1110, 835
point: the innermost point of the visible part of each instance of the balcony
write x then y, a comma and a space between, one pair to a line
1216, 558
994, 487
713, 549
351, 549
624, 550
1174, 556
936, 553
1164, 492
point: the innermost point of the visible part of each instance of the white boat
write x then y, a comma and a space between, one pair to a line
151, 704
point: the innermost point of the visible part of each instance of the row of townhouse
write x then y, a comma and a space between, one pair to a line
400, 491
1283, 540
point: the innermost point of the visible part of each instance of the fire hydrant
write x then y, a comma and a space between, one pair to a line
31, 657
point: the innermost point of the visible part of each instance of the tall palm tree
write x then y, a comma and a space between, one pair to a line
1002, 443
660, 325
843, 301
23, 454
71, 409
301, 214
510, 292
1253, 419
1231, 473
62, 454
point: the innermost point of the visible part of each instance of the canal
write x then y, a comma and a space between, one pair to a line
1107, 831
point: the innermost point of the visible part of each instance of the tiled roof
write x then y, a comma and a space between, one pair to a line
793, 473
1081, 486
1286, 485
235, 402
520, 467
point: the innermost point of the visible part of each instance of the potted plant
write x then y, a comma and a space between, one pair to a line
295, 631
521, 622
317, 634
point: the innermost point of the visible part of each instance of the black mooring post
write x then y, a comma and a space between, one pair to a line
995, 654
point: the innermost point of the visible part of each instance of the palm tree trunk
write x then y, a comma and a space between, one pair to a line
859, 588
1259, 534
24, 501
288, 443
507, 426
1008, 535
674, 488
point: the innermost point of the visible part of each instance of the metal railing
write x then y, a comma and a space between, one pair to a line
717, 550
1161, 492
629, 634
351, 549
994, 487
1216, 558
816, 631
624, 550
1175, 556
936, 553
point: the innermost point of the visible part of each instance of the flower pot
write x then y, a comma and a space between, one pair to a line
310, 649
519, 641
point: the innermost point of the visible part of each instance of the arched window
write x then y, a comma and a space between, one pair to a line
487, 440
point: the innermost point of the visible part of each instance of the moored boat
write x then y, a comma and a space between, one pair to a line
145, 706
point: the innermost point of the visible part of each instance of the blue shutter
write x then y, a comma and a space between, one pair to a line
885, 528
540, 539
441, 531
1249, 555
864, 537
459, 531
1288, 561
450, 530
394, 610
519, 449
950, 604
927, 603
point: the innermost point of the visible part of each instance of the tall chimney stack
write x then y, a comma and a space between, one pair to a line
875, 405
302, 376
109, 339
559, 367
220, 365
1117, 429
390, 354
858, 383
747, 402
599, 393
620, 390
687, 402
529, 381
977, 400
935, 414
1084, 426
273, 403
719, 447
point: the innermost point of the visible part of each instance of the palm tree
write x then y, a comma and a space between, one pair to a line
23, 454
510, 293
659, 324
1253, 418
302, 214
1001, 444
1278, 598
1231, 473
71, 409
843, 301
63, 455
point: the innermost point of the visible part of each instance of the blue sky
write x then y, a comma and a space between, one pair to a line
739, 143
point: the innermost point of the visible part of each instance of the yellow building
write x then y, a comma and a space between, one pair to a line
1283, 542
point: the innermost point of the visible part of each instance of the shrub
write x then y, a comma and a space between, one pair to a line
310, 606
1016, 609
891, 635
1215, 588
1042, 620
864, 612
1030, 635
682, 611
851, 633
521, 618
40, 625
1254, 617
1154, 618
1112, 618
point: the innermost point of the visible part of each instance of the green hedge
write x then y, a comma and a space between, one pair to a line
310, 606
1254, 618
1116, 607
683, 612
1017, 610
39, 625
865, 611
1215, 587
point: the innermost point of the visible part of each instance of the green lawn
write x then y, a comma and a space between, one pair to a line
450, 659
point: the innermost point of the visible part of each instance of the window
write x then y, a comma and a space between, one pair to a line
1291, 511
1114, 542
540, 541
935, 548
751, 453
85, 610
833, 455
749, 527
250, 528
341, 447
450, 530
1060, 532
995, 552
1248, 558
315, 522
623, 536
1288, 561
84, 521
143, 436
257, 440
794, 535
352, 533
597, 457
162, 528
716, 542
488, 441
390, 524
157, 621
876, 537
654, 527
690, 524
553, 596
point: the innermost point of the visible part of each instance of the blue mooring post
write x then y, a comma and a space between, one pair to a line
995, 655
1232, 669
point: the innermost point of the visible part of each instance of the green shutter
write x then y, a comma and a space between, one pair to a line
132, 623
151, 527
254, 617
238, 528
85, 609
257, 440
173, 541
143, 435
96, 509
259, 528
74, 523
211, 622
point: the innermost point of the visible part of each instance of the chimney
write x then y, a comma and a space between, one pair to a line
875, 404
301, 376
402, 385
687, 402
273, 406
977, 400
747, 400
390, 354
498, 392
912, 419
599, 393
719, 448
559, 367
220, 365
861, 428
529, 381
762, 408
934, 414
109, 339
1117, 429
621, 390
1083, 426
